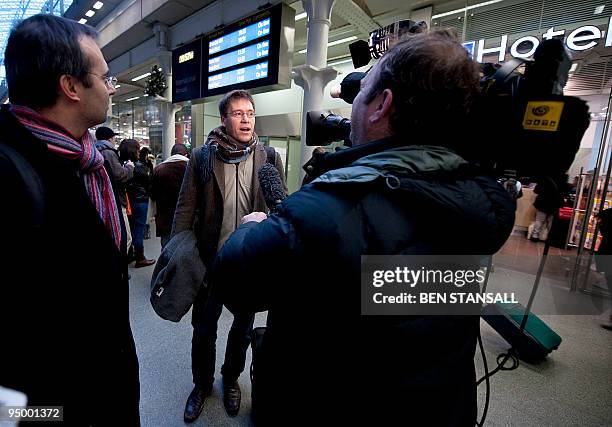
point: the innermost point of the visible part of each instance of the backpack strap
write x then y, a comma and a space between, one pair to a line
270, 155
31, 182
206, 163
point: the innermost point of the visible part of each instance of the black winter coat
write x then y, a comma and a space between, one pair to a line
64, 306
319, 355
139, 186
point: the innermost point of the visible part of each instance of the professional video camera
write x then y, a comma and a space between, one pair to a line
522, 123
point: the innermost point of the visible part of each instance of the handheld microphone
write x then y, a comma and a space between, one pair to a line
271, 186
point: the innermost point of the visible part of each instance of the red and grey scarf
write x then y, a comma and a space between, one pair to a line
229, 149
90, 162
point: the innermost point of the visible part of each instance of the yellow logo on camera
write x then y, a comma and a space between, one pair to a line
542, 115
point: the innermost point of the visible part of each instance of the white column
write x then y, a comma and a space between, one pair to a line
314, 75
197, 125
167, 110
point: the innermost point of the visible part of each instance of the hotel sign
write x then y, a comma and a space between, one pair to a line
581, 39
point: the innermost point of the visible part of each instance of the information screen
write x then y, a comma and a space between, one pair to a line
244, 35
186, 73
239, 56
239, 75
254, 52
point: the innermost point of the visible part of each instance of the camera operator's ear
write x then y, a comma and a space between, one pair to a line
383, 106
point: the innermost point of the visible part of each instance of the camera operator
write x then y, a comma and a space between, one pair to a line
318, 355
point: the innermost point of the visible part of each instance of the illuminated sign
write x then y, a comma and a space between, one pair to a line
580, 39
252, 53
186, 57
239, 75
186, 75
246, 54
244, 35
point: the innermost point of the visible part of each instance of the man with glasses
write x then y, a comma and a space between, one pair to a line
64, 286
219, 188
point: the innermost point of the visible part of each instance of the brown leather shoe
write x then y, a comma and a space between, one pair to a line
231, 397
195, 403
144, 263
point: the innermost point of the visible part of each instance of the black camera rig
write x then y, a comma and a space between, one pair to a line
523, 124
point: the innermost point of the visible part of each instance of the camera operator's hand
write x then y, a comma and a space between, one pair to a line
254, 216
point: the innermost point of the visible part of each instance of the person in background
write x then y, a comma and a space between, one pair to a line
220, 187
138, 193
64, 279
120, 173
165, 187
147, 158
547, 204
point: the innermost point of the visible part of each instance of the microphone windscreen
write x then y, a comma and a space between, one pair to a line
271, 186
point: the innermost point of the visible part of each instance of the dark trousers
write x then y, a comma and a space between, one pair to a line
205, 316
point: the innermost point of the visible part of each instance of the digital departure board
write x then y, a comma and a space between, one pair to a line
252, 53
239, 75
244, 35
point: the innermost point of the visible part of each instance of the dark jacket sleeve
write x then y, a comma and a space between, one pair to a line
120, 173
248, 267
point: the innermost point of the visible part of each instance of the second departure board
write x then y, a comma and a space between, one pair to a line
254, 52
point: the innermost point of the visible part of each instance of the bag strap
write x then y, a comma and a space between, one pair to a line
270, 155
31, 180
205, 163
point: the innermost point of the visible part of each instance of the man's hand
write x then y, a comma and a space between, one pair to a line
254, 216
129, 164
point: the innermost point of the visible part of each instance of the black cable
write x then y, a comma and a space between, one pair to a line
511, 354
488, 384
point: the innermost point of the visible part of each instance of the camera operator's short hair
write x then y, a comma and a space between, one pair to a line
235, 94
433, 79
39, 51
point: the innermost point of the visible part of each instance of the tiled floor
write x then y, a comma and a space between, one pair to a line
572, 387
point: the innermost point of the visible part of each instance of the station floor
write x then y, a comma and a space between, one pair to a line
572, 387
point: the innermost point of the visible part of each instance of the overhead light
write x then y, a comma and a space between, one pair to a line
132, 99
98, 5
300, 16
145, 95
90, 13
463, 9
140, 77
344, 61
604, 108
82, 21
344, 40
117, 86
573, 67
113, 104
599, 9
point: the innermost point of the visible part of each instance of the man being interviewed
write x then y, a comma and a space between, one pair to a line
220, 186
407, 190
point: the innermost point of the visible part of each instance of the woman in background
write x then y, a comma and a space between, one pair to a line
138, 194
